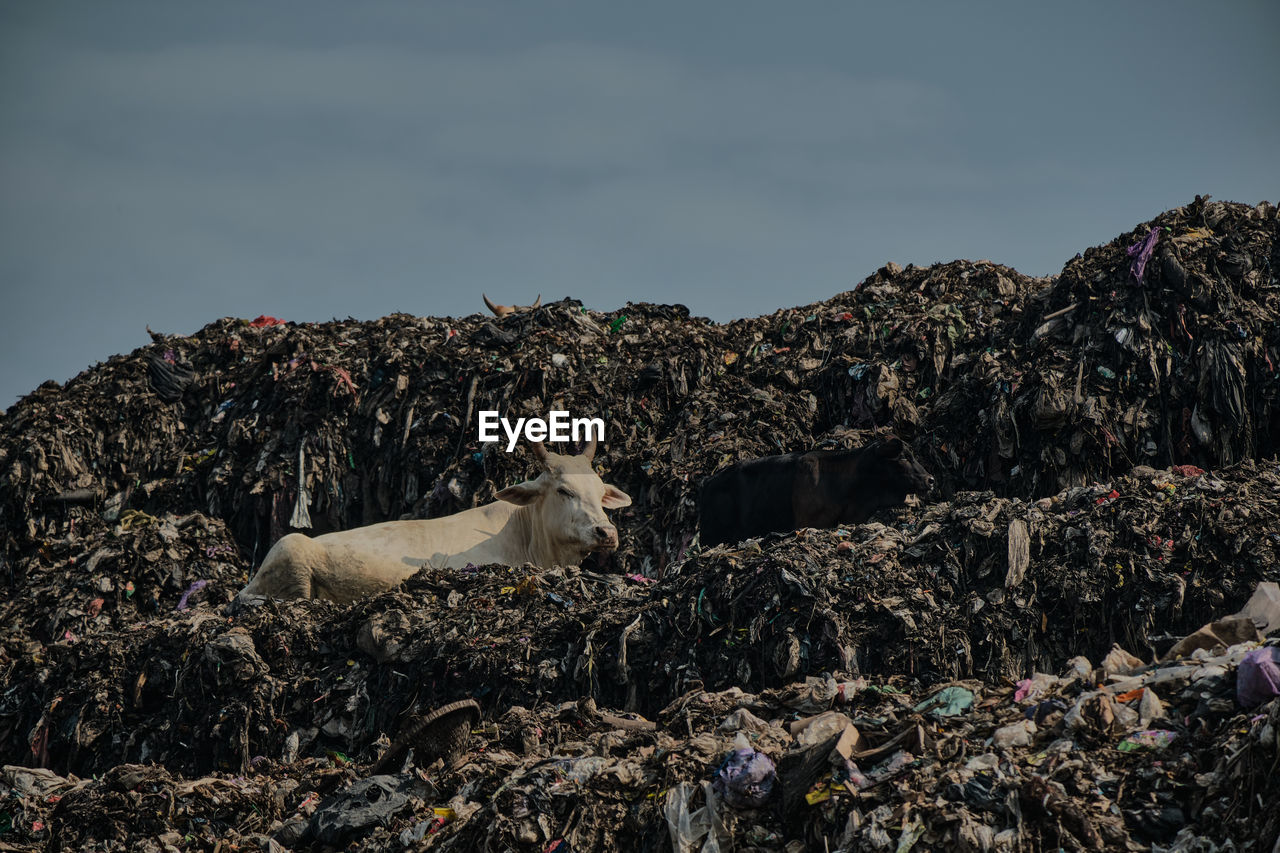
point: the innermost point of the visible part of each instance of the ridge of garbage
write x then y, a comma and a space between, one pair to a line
1105, 441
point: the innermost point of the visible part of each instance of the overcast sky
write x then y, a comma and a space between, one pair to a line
166, 163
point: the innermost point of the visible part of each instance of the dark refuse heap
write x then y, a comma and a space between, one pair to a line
134, 502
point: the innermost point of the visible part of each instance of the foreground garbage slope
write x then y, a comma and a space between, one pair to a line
980, 589
577, 777
979, 586
299, 698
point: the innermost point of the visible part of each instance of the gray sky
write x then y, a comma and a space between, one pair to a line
170, 163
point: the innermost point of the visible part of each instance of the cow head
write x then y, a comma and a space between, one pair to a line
890, 473
568, 500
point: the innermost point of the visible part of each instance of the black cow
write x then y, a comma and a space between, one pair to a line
821, 488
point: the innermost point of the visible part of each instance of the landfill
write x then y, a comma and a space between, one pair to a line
1073, 643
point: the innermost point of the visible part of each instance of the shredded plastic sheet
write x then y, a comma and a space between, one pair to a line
1141, 253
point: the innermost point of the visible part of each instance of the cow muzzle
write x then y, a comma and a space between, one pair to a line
605, 537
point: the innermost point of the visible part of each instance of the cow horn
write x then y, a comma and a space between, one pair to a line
536, 303
496, 309
539, 452
590, 450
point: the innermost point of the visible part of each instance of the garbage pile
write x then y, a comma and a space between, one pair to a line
114, 575
1097, 754
1019, 385
1056, 650
1158, 348
979, 591
976, 587
381, 417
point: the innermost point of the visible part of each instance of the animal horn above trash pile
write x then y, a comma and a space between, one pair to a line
1069, 642
504, 310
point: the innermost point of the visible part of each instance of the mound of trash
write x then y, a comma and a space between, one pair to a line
1065, 647
268, 728
1158, 348
980, 591
1019, 385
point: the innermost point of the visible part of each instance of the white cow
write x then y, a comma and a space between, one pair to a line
555, 519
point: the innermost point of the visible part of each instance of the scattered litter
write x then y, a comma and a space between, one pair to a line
745, 778
1147, 740
1258, 680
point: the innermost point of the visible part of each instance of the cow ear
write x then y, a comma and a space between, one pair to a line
891, 449
614, 497
521, 494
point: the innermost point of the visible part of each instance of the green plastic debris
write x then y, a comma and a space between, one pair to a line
948, 702
882, 688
